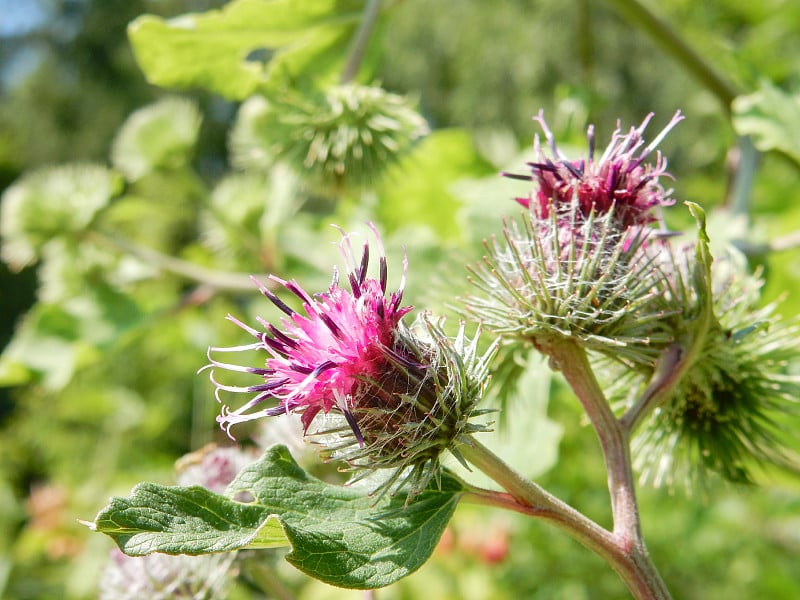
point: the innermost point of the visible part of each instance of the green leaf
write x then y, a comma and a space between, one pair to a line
487, 200
772, 118
215, 49
45, 348
185, 520
419, 189
55, 340
703, 283
700, 319
160, 135
338, 535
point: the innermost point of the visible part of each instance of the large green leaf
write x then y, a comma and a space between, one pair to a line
45, 348
220, 49
772, 118
419, 189
339, 535
55, 340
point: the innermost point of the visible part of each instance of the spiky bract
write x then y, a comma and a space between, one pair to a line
726, 414
343, 138
574, 276
417, 409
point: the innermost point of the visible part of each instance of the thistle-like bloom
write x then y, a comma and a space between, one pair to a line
319, 360
574, 268
343, 138
620, 179
405, 397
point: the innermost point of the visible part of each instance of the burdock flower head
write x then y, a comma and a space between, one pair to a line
405, 394
619, 181
574, 267
343, 138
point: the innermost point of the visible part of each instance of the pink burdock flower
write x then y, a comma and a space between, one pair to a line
620, 179
320, 359
404, 396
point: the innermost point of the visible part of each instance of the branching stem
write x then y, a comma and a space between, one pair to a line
669, 369
358, 47
671, 42
221, 280
526, 497
569, 358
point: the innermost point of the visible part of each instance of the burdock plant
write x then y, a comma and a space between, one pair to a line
588, 275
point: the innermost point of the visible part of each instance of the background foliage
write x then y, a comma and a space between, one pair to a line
124, 265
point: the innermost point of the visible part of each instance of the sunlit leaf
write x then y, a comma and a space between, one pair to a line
235, 50
45, 349
161, 135
772, 118
338, 535
56, 339
231, 226
419, 189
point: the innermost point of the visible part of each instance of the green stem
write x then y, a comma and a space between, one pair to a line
671, 42
677, 359
358, 47
222, 280
526, 497
670, 367
264, 577
742, 177
571, 360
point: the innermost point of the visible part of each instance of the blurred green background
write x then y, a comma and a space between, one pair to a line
105, 322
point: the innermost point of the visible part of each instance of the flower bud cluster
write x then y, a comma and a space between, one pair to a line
704, 370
